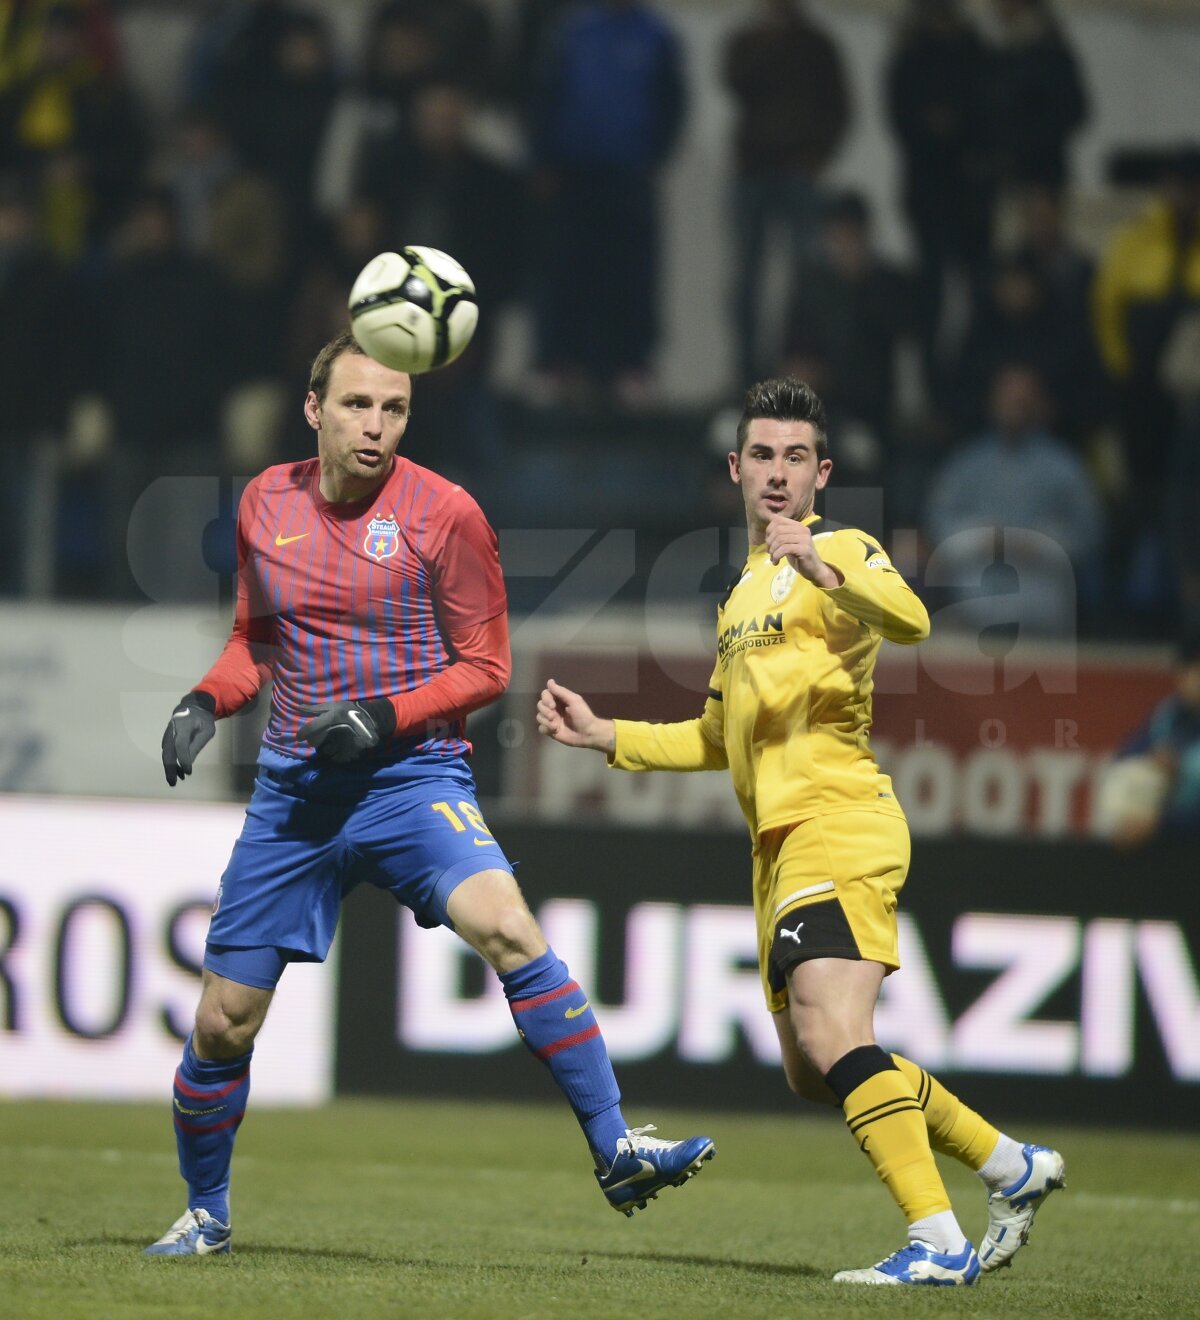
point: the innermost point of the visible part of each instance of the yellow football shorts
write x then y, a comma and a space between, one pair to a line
826, 888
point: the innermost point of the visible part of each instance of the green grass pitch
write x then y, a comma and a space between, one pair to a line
410, 1209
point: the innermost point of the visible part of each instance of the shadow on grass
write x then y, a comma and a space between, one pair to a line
711, 1263
251, 1250
247, 1249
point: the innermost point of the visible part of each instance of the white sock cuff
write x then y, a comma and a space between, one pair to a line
1005, 1164
941, 1231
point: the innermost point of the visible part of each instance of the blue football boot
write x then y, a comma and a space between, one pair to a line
195, 1233
644, 1165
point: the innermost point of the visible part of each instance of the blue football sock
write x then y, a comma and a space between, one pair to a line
554, 1019
210, 1103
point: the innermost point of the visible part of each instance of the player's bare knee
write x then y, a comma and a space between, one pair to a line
222, 1031
514, 939
212, 1035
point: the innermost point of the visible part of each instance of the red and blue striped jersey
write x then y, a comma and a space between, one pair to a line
353, 601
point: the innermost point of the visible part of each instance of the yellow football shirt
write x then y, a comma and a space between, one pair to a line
789, 706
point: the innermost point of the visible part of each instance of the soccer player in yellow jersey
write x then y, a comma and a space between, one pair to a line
789, 714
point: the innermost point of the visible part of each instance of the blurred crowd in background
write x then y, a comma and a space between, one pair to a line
1029, 406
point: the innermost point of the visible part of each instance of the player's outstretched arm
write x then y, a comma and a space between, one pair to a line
192, 724
564, 716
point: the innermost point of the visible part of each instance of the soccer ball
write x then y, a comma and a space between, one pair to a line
413, 310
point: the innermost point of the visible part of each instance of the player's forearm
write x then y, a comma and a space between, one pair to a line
684, 746
452, 695
601, 736
236, 678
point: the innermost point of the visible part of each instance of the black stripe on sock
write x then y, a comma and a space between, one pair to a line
856, 1067
874, 1109
865, 1120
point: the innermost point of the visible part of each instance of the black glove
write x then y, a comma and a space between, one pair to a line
343, 730
193, 723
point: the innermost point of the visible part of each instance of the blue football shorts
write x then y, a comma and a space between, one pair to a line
311, 835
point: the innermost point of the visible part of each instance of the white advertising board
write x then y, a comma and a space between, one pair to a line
104, 906
86, 691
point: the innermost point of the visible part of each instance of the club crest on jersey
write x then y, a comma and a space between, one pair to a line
781, 583
383, 538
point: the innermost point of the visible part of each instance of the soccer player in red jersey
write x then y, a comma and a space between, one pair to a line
370, 591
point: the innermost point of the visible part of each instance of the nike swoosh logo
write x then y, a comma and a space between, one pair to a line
287, 540
646, 1171
216, 1109
355, 718
575, 1012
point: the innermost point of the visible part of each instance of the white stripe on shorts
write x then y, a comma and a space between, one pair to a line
823, 888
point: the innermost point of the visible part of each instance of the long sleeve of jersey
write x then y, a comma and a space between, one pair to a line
872, 590
697, 744
244, 664
477, 676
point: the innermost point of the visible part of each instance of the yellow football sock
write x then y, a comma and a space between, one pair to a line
954, 1128
885, 1118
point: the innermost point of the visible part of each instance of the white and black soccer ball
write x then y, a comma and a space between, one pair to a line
413, 310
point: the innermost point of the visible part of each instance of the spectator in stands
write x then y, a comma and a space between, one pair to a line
608, 108
1065, 273
34, 313
73, 126
1181, 376
23, 28
1147, 286
793, 109
277, 114
1152, 789
1036, 96
438, 188
158, 333
533, 22
1015, 321
1149, 278
1019, 495
235, 219
226, 211
235, 41
163, 308
358, 232
1065, 269
402, 52
854, 305
465, 39
935, 99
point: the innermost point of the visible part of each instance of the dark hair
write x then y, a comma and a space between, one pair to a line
784, 399
318, 377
